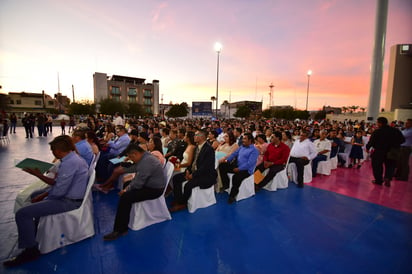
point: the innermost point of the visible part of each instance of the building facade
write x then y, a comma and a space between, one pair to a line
399, 90
227, 110
21, 102
128, 90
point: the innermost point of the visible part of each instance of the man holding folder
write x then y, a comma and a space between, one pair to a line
66, 193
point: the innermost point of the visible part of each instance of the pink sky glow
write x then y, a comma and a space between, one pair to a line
263, 41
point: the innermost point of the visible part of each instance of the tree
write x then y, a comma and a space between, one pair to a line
267, 113
4, 102
363, 109
242, 112
110, 106
135, 109
177, 111
321, 114
353, 108
82, 108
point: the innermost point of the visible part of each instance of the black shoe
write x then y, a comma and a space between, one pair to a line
114, 235
358, 167
376, 182
300, 185
28, 255
350, 166
387, 183
231, 200
257, 188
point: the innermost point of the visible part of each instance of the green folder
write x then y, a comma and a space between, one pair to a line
33, 163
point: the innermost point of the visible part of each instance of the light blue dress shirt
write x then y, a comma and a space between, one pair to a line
71, 180
246, 158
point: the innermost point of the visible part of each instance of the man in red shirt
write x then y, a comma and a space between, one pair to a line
275, 159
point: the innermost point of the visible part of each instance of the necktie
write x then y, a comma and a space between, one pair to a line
194, 164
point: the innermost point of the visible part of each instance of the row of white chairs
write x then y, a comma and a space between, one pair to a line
58, 230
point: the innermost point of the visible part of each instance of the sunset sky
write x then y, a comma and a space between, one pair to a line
263, 41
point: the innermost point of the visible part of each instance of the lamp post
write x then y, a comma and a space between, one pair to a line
307, 90
218, 48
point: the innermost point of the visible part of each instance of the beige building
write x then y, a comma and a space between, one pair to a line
21, 102
128, 90
227, 110
399, 90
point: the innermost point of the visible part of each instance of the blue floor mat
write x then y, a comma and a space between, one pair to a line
289, 231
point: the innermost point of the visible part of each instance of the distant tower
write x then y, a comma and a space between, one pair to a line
74, 101
271, 86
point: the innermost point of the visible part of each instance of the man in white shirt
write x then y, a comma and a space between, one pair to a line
323, 147
302, 152
118, 120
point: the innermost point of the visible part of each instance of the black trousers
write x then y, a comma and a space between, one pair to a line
402, 170
125, 205
238, 177
379, 159
273, 170
300, 164
182, 195
29, 133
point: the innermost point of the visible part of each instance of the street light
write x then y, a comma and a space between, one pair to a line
307, 90
218, 48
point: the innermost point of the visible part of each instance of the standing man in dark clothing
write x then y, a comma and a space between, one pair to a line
13, 122
27, 126
403, 164
383, 140
40, 125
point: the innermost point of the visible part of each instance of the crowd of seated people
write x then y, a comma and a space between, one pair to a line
244, 147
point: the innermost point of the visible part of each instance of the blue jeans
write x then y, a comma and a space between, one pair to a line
27, 218
315, 163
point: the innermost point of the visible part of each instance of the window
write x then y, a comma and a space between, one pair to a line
115, 90
11, 102
132, 92
147, 93
148, 110
51, 103
147, 101
18, 102
116, 98
37, 102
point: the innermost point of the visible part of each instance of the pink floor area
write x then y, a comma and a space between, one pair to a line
356, 183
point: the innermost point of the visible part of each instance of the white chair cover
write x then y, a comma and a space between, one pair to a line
280, 181
334, 162
246, 189
324, 167
58, 230
154, 211
307, 173
200, 198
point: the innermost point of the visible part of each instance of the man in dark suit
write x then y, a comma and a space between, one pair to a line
202, 173
383, 140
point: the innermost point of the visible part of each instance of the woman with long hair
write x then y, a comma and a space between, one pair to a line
155, 147
93, 141
189, 153
229, 146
